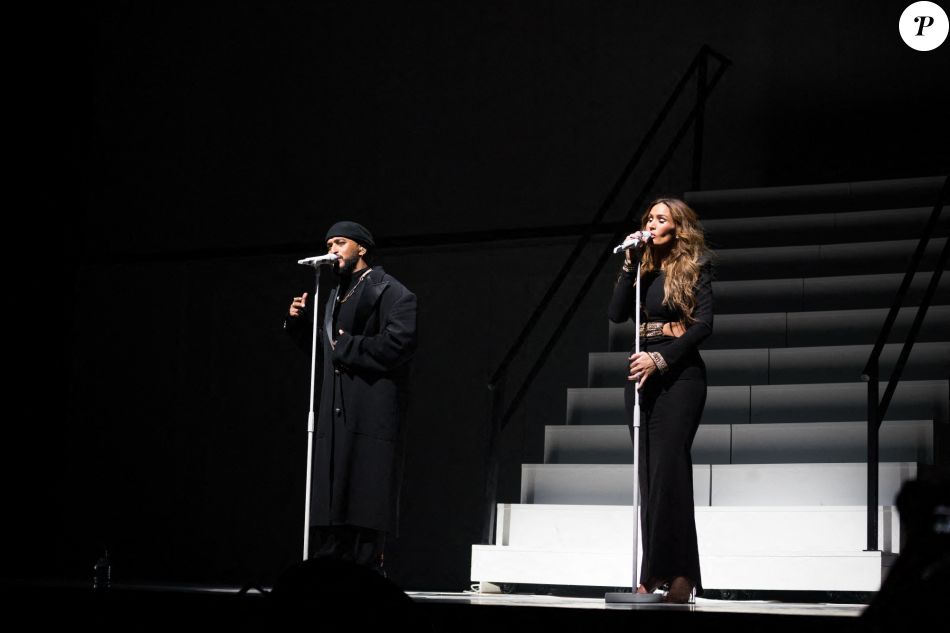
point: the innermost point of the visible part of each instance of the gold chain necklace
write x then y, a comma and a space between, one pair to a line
353, 289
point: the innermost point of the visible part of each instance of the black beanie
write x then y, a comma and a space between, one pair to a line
356, 232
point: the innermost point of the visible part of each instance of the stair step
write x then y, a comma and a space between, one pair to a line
805, 484
719, 484
822, 228
796, 442
721, 530
805, 329
593, 484
832, 571
827, 402
789, 365
816, 260
803, 442
822, 293
845, 196
611, 444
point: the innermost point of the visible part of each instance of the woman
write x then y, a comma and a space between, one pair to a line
676, 316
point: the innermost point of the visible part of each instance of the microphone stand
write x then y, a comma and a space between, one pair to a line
633, 596
311, 418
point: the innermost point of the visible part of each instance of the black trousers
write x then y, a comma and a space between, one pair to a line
671, 406
363, 546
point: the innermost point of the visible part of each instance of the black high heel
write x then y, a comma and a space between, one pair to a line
681, 591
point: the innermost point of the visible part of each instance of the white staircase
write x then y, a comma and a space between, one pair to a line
779, 460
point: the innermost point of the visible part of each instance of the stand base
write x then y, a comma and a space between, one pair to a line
623, 597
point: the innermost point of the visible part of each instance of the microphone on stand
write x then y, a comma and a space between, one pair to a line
645, 236
320, 260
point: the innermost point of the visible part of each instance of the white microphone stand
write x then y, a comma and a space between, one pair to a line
633, 596
311, 418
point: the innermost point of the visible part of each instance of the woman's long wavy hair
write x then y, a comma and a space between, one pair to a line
682, 264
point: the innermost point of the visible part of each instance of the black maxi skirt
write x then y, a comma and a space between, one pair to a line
671, 406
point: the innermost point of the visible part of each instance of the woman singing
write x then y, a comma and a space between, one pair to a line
676, 316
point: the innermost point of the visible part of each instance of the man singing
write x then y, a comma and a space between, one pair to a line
366, 340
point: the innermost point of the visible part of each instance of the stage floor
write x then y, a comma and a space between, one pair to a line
164, 606
702, 605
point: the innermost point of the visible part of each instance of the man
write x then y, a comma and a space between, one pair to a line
367, 337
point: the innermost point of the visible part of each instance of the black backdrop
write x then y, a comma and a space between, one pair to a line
180, 158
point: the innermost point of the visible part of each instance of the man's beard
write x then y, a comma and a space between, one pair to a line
344, 266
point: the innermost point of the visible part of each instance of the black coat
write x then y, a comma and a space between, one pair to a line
358, 444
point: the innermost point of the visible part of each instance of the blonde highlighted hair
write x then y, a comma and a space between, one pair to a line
682, 264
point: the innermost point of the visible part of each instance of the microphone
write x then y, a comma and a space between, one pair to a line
645, 236
319, 260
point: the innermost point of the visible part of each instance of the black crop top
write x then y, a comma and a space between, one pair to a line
623, 303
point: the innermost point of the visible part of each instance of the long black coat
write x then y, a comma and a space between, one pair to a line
358, 444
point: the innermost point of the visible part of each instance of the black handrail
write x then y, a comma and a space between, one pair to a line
878, 409
501, 415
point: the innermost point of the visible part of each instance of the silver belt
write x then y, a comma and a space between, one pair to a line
651, 329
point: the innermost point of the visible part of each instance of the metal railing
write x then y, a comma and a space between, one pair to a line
877, 409
501, 412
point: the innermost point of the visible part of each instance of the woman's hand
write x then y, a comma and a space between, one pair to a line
628, 254
641, 366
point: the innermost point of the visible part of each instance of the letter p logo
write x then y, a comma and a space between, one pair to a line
923, 26
925, 21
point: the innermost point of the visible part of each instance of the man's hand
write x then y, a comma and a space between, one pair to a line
298, 304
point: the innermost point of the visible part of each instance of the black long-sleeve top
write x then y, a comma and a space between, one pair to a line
623, 303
